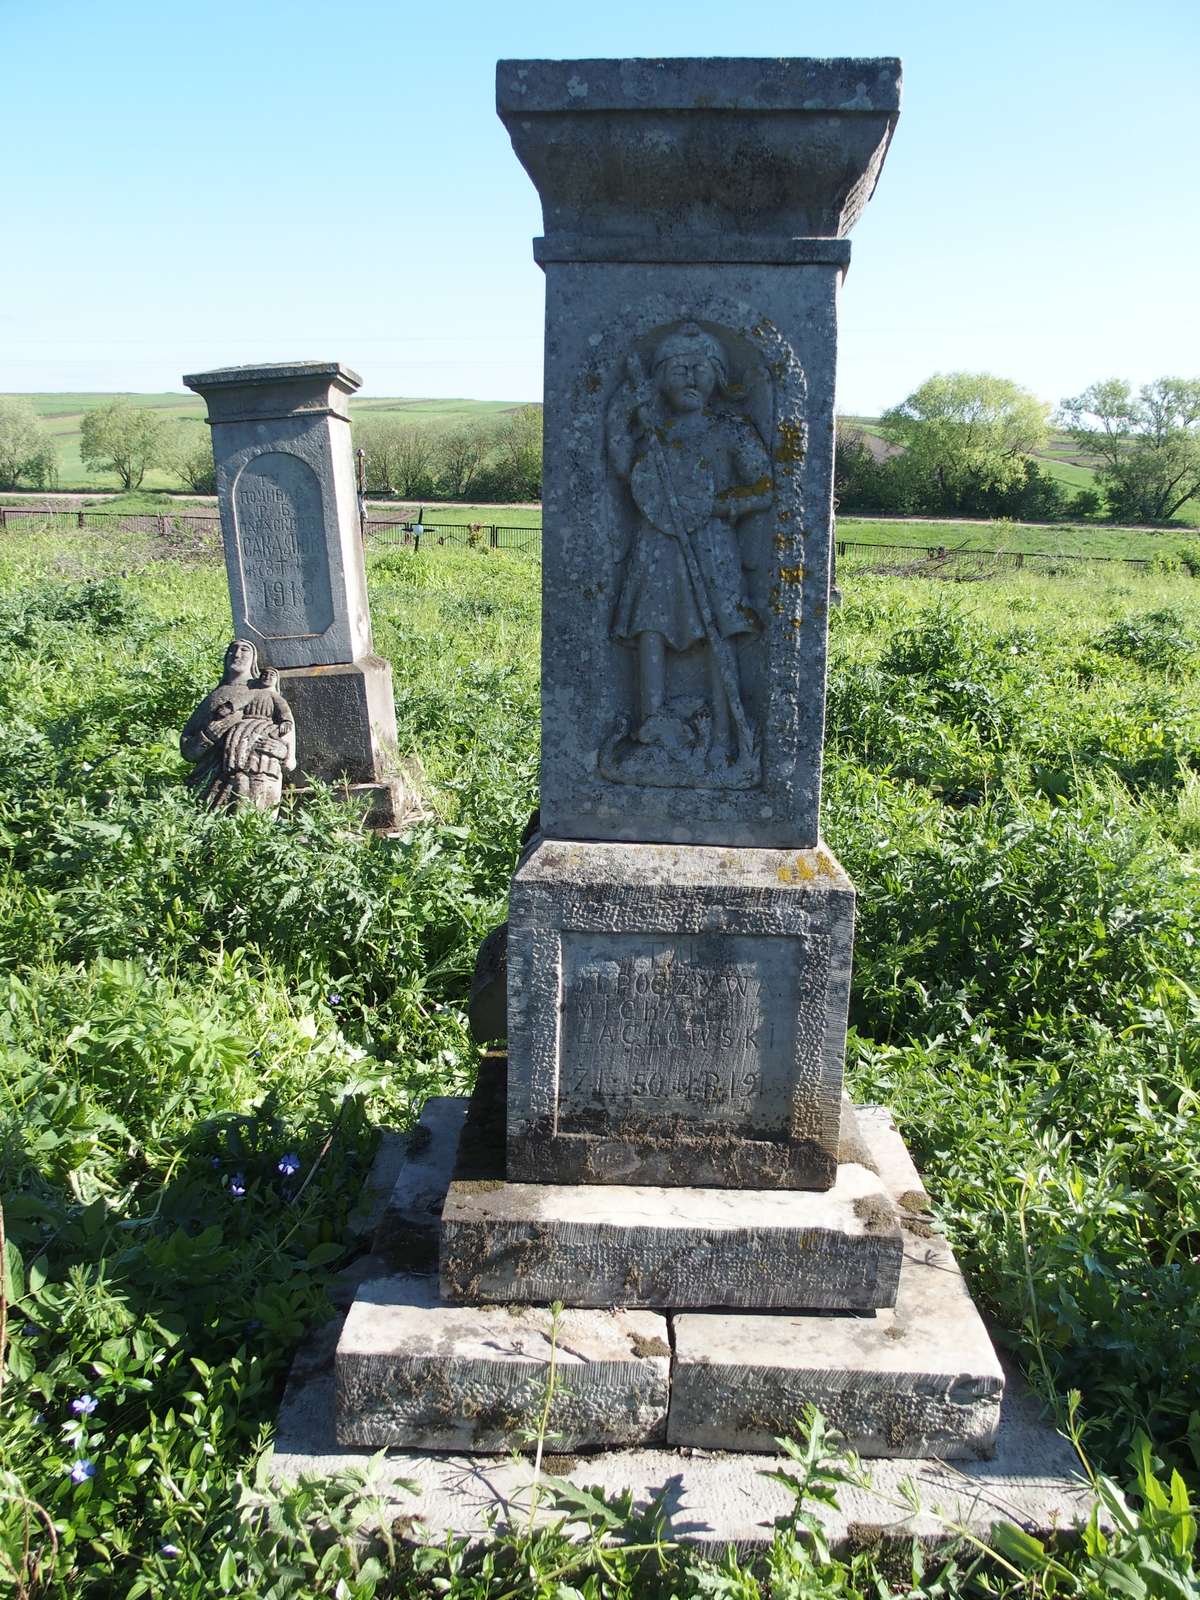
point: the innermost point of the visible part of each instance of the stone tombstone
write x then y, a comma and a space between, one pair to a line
679, 941
695, 214
294, 556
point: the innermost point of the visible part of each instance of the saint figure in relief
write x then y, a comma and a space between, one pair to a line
695, 468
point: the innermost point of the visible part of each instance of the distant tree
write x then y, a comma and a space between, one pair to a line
123, 439
187, 452
518, 441
400, 456
1148, 443
461, 453
966, 436
26, 450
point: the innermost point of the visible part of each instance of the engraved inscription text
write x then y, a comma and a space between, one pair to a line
677, 1029
281, 546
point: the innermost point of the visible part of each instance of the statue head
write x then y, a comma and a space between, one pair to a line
268, 678
688, 365
241, 662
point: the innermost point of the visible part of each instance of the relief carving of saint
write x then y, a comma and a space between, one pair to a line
241, 737
695, 467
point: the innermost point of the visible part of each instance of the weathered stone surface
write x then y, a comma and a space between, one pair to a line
412, 1371
241, 737
289, 517
407, 1232
712, 159
624, 1245
346, 718
297, 578
710, 1500
920, 1379
691, 298
677, 1015
487, 1008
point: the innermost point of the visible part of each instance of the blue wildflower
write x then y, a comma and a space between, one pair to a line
335, 999
84, 1405
216, 1161
83, 1470
237, 1185
289, 1164
168, 1550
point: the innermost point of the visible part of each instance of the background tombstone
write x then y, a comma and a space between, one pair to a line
297, 579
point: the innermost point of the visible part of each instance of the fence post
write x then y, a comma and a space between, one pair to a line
494, 540
416, 538
162, 527
841, 547
1020, 558
79, 519
3, 518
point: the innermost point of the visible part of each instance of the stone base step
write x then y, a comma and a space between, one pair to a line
414, 1372
710, 1499
602, 1245
919, 1379
910, 1381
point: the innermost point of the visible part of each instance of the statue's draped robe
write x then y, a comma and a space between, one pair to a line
240, 761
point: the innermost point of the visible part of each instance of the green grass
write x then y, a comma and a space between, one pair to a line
1092, 539
1011, 780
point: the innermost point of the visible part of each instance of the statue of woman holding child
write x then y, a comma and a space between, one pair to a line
241, 737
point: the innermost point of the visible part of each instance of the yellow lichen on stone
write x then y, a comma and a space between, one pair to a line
790, 452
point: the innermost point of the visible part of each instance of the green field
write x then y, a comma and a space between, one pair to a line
193, 1005
63, 415
1093, 539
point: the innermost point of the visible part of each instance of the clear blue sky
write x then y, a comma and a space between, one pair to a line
194, 185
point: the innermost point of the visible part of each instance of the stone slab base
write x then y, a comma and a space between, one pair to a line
412, 1371
710, 1499
631, 1245
618, 1245
388, 807
921, 1379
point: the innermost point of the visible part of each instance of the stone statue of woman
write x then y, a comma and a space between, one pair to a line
241, 737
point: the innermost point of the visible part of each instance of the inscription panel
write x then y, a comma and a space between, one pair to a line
280, 531
674, 1030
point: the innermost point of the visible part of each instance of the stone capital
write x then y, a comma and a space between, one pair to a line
282, 389
721, 159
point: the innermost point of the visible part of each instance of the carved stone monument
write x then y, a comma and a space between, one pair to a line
297, 580
241, 737
668, 1139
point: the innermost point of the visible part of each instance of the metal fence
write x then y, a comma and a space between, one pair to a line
203, 530
916, 558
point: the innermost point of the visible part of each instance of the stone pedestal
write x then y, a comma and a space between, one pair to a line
677, 1015
891, 1348
297, 578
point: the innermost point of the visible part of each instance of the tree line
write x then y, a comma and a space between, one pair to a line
494, 459
963, 443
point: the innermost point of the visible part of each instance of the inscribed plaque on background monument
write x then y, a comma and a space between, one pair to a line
281, 548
